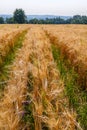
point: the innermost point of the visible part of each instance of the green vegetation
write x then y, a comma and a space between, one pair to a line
1, 20
10, 20
19, 16
77, 97
77, 19
8, 60
28, 114
28, 118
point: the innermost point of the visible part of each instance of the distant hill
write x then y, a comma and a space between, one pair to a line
29, 17
46, 16
5, 16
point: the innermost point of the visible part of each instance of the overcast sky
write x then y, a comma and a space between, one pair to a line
55, 7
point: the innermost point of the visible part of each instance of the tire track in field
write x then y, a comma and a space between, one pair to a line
8, 59
11, 103
49, 104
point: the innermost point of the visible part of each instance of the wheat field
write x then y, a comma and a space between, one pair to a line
40, 92
72, 41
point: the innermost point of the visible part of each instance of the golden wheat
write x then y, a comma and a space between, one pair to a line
47, 94
11, 103
72, 41
7, 39
50, 105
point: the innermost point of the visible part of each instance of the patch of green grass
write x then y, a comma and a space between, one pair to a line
77, 96
8, 60
27, 118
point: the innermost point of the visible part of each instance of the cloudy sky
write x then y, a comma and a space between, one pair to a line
55, 7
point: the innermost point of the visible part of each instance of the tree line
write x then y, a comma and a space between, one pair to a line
77, 19
20, 17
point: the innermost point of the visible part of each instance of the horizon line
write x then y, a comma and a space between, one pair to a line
47, 14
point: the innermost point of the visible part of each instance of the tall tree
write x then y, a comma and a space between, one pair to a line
1, 20
19, 16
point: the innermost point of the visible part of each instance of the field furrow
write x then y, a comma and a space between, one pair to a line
46, 106
72, 42
11, 103
7, 42
64, 55
8, 57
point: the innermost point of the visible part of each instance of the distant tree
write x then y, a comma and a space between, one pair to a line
41, 21
77, 19
84, 19
59, 21
34, 21
19, 16
1, 20
68, 21
10, 20
47, 21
